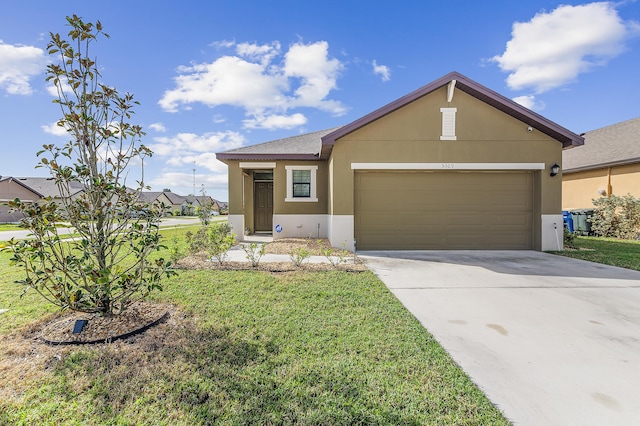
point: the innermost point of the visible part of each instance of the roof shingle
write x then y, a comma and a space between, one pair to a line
608, 146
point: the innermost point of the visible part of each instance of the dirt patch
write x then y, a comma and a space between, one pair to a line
25, 358
202, 262
103, 328
288, 245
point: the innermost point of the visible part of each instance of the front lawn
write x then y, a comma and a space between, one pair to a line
609, 251
242, 347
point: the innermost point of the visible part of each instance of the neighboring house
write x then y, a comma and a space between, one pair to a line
608, 163
29, 189
452, 165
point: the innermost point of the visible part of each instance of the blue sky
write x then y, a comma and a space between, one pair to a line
216, 75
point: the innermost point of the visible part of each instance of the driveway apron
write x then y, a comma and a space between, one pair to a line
550, 340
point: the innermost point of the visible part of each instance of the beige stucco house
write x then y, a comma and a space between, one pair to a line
452, 165
29, 190
608, 163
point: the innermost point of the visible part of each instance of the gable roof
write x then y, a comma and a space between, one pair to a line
46, 187
318, 145
174, 198
472, 88
301, 147
613, 145
18, 182
148, 196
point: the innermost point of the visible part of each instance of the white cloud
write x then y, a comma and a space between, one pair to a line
529, 101
382, 70
157, 127
264, 87
275, 121
18, 64
261, 53
54, 129
553, 48
318, 75
229, 80
185, 148
223, 44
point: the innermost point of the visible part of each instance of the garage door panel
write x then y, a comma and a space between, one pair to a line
444, 210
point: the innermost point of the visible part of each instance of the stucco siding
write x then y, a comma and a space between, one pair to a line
412, 134
579, 189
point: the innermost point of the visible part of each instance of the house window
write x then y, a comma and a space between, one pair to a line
301, 183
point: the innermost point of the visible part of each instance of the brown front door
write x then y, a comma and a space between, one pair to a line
263, 193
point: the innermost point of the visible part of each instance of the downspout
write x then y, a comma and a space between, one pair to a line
609, 190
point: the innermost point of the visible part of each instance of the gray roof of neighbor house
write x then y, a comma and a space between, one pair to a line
174, 198
47, 187
149, 196
613, 145
301, 147
312, 146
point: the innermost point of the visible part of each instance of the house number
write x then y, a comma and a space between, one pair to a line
448, 165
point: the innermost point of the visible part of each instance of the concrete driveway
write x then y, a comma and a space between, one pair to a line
550, 340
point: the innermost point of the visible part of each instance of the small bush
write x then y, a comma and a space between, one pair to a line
334, 259
215, 240
616, 216
299, 255
254, 252
569, 239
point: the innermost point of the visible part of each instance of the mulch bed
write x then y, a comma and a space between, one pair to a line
105, 328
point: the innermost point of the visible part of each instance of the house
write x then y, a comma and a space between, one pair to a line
452, 165
29, 189
608, 163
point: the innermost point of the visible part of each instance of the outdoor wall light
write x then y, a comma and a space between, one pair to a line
555, 169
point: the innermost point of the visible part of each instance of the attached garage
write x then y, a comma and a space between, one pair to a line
435, 210
450, 166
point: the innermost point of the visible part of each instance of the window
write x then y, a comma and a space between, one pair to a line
301, 183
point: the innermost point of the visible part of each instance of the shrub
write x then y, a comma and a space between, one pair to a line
299, 255
215, 240
254, 252
569, 239
616, 216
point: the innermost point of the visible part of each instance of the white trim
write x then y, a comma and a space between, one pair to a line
448, 122
450, 87
552, 232
236, 221
258, 165
313, 196
341, 228
447, 166
300, 226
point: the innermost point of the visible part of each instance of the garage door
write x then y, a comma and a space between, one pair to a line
443, 210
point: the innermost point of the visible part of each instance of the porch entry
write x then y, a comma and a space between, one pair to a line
263, 206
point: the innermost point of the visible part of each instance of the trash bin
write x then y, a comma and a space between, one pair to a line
582, 221
568, 221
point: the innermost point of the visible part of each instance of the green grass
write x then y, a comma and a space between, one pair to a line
249, 347
608, 251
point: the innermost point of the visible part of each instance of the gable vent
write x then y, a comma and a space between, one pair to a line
448, 124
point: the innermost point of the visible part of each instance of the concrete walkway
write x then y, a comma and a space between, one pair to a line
550, 340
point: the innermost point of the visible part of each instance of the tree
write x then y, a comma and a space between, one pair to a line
107, 266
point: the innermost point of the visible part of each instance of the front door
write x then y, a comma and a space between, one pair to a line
263, 194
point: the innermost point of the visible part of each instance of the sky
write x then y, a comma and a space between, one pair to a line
217, 75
